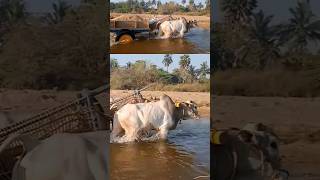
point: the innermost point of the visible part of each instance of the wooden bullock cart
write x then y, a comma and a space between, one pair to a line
83, 114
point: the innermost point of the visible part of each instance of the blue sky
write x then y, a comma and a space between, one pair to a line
156, 59
164, 1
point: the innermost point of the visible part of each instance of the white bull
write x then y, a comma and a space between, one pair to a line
63, 157
162, 115
175, 28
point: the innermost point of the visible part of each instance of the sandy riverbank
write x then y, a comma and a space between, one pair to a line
295, 120
21, 104
203, 21
201, 98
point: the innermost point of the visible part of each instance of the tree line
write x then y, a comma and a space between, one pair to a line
154, 6
249, 38
63, 48
250, 44
141, 73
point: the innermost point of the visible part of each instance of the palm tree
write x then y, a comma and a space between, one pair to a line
302, 27
204, 70
167, 60
59, 12
128, 65
200, 6
238, 10
159, 3
114, 64
15, 11
191, 5
184, 61
192, 72
261, 41
208, 4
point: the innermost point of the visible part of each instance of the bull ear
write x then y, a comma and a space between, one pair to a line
246, 136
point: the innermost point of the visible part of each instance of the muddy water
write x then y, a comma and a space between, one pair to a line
195, 41
184, 156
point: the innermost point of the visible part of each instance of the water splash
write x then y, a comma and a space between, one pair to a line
151, 136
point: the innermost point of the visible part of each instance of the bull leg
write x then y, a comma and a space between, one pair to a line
131, 128
181, 33
132, 135
116, 129
169, 35
163, 131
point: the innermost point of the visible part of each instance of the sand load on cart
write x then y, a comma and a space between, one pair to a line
129, 21
82, 114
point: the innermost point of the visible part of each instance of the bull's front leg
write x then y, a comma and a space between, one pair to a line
163, 132
164, 128
181, 34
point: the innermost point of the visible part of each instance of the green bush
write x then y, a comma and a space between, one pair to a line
140, 74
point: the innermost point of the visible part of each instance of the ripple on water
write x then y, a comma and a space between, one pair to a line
184, 156
195, 41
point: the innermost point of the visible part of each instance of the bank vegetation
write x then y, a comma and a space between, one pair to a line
256, 56
138, 74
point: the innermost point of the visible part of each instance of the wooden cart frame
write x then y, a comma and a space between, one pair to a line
83, 114
128, 28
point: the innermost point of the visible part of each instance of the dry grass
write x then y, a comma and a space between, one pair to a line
186, 87
266, 83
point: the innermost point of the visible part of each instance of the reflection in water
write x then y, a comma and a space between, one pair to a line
195, 41
184, 156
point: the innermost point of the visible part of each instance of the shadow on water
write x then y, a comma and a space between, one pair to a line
195, 41
184, 156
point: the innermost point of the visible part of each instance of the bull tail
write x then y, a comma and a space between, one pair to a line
9, 140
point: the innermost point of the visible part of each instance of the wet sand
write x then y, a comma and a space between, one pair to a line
295, 120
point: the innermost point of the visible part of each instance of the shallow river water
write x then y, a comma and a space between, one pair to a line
185, 155
195, 41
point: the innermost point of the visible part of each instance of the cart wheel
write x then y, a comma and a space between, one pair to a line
125, 38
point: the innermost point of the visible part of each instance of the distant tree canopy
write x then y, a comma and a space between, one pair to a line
250, 50
142, 6
64, 49
249, 39
141, 73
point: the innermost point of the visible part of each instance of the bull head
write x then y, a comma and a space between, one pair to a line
264, 139
187, 110
192, 24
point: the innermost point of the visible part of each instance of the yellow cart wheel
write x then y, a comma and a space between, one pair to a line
125, 38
